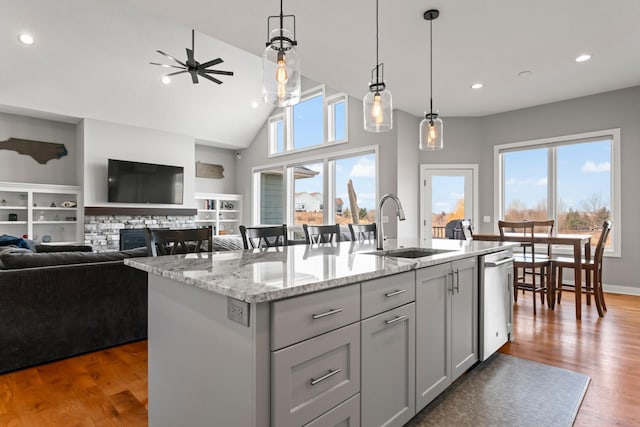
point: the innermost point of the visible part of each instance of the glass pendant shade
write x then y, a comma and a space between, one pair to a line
431, 133
377, 111
281, 76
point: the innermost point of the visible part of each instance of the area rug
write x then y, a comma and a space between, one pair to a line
508, 391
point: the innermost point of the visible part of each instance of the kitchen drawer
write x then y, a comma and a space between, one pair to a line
311, 377
346, 414
299, 318
389, 292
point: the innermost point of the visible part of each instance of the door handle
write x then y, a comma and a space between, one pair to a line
457, 285
395, 320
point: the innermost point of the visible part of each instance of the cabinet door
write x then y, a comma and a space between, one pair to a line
388, 367
433, 328
464, 316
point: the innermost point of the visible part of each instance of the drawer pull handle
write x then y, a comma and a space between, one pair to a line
325, 376
393, 294
328, 313
395, 319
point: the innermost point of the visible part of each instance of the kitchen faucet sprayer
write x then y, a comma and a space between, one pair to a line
399, 212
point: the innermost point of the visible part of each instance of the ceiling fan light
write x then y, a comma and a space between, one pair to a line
165, 80
26, 38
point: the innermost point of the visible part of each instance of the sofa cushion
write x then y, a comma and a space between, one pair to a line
14, 260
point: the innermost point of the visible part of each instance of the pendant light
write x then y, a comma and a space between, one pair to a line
377, 104
280, 64
431, 127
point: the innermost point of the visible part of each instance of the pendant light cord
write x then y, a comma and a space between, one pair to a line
377, 60
281, 25
431, 69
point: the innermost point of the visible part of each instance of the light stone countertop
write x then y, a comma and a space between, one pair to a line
262, 275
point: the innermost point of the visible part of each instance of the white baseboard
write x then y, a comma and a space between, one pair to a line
616, 289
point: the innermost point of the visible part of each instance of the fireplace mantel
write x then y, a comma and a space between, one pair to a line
127, 211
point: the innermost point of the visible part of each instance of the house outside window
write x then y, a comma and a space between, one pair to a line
574, 180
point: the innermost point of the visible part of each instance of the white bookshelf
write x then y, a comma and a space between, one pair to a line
35, 211
223, 211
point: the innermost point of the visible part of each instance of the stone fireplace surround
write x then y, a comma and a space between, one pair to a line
102, 225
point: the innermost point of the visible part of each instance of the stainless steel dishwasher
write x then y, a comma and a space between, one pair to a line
496, 307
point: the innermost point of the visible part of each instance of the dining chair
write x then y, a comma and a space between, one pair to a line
459, 229
264, 237
592, 267
541, 226
362, 232
321, 233
182, 241
536, 263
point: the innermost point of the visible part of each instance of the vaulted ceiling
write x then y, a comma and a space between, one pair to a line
91, 57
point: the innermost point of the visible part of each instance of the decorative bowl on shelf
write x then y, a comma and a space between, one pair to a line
46, 238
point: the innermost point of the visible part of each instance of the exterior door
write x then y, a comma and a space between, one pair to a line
448, 192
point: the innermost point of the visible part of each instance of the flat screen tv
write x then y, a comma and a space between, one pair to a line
135, 182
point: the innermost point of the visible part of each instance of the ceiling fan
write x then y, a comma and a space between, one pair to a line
193, 67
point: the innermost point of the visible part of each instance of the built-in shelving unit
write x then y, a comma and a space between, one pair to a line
38, 212
222, 211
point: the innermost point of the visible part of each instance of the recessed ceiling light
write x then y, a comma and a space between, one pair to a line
254, 104
583, 57
26, 38
477, 86
525, 73
165, 80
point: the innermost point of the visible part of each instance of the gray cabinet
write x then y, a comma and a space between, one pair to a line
388, 367
446, 326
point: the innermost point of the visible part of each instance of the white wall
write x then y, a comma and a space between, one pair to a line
408, 188
104, 140
24, 168
217, 156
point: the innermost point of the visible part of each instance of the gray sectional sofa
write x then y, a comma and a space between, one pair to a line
59, 304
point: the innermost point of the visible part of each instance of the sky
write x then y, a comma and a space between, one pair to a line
583, 171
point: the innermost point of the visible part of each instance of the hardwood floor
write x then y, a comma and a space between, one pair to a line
606, 349
109, 388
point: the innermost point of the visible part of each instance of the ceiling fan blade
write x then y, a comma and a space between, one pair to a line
212, 62
177, 72
224, 73
213, 79
166, 65
194, 76
171, 57
190, 60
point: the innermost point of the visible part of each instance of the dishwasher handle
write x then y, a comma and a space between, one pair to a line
498, 263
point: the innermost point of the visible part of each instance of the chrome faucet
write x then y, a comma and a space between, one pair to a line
400, 213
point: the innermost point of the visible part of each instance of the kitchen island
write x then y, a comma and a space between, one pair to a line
308, 335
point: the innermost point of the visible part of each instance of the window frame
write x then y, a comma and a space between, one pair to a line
331, 102
329, 188
288, 128
612, 134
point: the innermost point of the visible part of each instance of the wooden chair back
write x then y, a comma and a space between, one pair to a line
599, 252
172, 242
321, 233
264, 237
362, 232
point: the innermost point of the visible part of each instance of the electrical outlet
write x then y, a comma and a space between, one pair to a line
486, 218
238, 311
385, 219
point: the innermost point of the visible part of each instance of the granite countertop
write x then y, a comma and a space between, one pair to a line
262, 275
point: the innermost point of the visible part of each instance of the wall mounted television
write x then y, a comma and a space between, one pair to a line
136, 182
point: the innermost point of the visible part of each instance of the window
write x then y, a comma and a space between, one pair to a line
337, 118
573, 179
311, 185
312, 123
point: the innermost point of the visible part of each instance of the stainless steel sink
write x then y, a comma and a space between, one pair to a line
410, 252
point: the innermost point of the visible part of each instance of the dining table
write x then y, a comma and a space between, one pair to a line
575, 241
